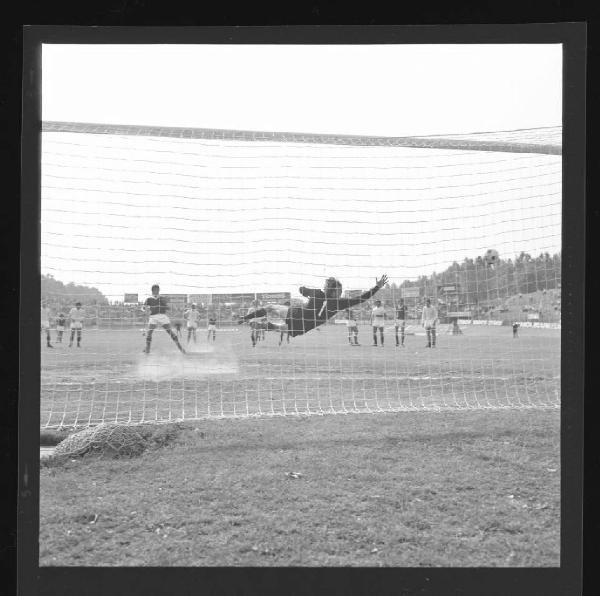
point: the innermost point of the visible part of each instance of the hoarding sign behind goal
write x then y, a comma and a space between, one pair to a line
273, 296
410, 292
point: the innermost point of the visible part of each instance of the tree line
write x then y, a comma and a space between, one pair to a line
481, 283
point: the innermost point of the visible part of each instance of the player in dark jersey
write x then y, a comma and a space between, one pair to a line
177, 325
212, 328
157, 306
515, 328
254, 324
285, 334
400, 323
61, 321
322, 305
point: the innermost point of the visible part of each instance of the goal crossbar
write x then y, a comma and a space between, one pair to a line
462, 142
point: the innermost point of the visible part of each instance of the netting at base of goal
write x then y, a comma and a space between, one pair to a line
220, 219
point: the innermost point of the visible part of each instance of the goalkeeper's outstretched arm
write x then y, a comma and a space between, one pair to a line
349, 302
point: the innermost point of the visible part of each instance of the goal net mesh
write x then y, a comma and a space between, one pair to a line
221, 218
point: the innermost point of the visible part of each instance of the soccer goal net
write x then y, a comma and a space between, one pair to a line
467, 228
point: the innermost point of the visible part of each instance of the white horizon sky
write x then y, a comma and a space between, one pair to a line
367, 90
388, 90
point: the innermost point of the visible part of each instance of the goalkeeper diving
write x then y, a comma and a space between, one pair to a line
321, 306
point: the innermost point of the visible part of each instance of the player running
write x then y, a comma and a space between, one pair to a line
378, 321
192, 316
352, 326
45, 323
400, 323
321, 306
76, 316
157, 306
212, 328
429, 320
60, 327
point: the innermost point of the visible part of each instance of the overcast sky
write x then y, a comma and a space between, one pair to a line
421, 217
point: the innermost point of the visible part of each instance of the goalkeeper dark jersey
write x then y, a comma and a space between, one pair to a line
301, 319
158, 305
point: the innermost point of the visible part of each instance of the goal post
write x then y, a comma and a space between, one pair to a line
237, 220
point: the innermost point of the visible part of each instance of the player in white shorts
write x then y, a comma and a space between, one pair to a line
157, 306
212, 327
378, 321
429, 320
192, 316
284, 331
45, 323
76, 316
352, 326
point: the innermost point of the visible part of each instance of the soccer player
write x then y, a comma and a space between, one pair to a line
378, 321
284, 332
60, 327
400, 322
177, 325
212, 327
157, 306
254, 324
515, 328
429, 320
456, 330
76, 316
45, 323
192, 316
352, 326
322, 305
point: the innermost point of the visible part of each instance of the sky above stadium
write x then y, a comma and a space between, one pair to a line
121, 213
388, 90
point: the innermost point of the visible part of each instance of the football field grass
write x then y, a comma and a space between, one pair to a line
464, 470
108, 379
469, 488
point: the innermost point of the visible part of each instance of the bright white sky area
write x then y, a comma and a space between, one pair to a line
198, 216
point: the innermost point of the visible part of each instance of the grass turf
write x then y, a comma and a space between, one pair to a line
108, 379
470, 488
